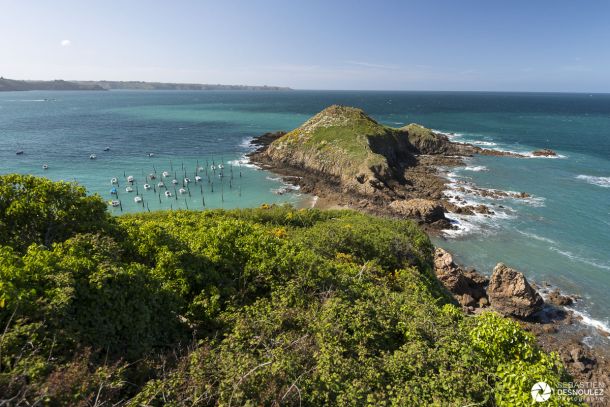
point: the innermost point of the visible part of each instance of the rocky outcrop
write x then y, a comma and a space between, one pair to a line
343, 155
510, 294
556, 298
425, 210
545, 152
467, 286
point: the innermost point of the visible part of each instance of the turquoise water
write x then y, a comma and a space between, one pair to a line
560, 235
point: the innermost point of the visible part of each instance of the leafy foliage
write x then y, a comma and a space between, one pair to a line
246, 307
37, 210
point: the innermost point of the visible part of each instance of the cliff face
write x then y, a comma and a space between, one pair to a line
361, 154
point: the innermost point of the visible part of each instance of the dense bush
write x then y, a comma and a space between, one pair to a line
271, 306
37, 210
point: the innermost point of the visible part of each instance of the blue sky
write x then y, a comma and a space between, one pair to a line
395, 45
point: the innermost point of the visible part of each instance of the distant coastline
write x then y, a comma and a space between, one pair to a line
12, 85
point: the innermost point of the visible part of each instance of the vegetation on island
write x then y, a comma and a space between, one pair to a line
266, 306
362, 155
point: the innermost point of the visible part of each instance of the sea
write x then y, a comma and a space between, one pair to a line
559, 236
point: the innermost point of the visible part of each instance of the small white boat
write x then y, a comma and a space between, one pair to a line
128, 189
114, 181
114, 203
213, 167
161, 185
200, 169
220, 166
187, 180
165, 174
174, 181
182, 191
152, 176
137, 199
130, 178
45, 166
92, 157
168, 194
151, 154
147, 186
197, 178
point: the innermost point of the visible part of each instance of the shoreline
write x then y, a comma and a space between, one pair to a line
558, 328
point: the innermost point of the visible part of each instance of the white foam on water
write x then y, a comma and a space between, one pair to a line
580, 259
603, 182
587, 320
536, 237
529, 154
483, 143
244, 161
476, 168
247, 143
461, 138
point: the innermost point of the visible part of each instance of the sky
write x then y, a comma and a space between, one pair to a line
534, 45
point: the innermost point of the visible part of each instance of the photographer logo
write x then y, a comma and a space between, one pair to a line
541, 392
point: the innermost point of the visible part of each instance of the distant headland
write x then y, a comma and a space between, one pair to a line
8, 85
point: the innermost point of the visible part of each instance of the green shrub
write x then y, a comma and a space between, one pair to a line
37, 210
269, 306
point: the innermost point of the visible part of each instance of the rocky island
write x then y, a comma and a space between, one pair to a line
347, 159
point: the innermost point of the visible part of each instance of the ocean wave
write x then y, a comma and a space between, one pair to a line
475, 168
462, 138
247, 143
599, 181
537, 237
580, 259
587, 320
244, 161
274, 179
483, 143
529, 154
461, 188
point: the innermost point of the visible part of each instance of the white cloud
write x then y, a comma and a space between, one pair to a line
66, 43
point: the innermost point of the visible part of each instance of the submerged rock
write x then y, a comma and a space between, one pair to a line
545, 152
510, 294
555, 297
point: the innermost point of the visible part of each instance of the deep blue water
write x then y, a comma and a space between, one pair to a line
561, 235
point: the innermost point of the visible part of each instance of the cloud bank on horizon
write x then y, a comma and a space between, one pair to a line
434, 45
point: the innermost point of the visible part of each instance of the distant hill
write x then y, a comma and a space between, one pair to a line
139, 85
7, 85
20, 85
